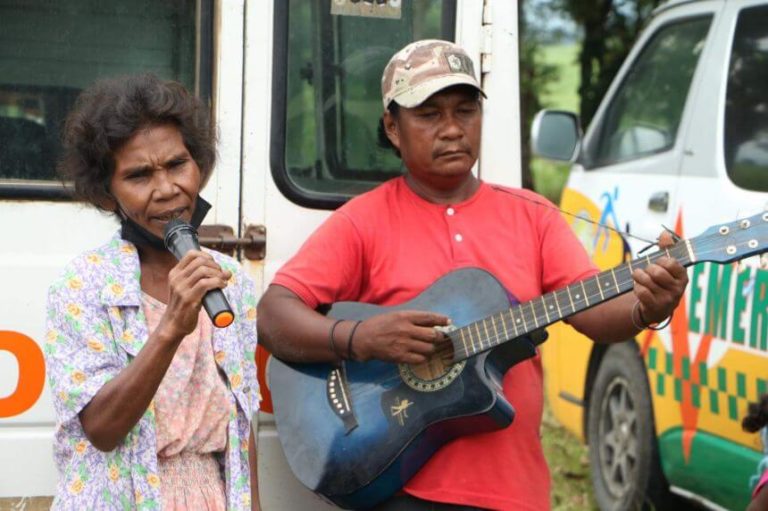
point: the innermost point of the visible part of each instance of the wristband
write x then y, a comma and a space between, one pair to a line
330, 337
349, 341
644, 323
658, 326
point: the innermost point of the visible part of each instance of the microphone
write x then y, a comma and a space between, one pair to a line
180, 238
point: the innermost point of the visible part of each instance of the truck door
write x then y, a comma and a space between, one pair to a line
632, 152
313, 127
723, 178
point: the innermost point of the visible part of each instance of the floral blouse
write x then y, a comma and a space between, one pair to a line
96, 326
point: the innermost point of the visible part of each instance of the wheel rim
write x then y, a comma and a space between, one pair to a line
618, 438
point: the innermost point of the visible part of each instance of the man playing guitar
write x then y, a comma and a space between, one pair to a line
386, 246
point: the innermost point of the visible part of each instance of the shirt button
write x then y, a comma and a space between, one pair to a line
458, 237
246, 390
450, 211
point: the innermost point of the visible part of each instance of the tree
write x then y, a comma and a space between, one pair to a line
534, 77
609, 27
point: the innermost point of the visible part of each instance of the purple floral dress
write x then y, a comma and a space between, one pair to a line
96, 326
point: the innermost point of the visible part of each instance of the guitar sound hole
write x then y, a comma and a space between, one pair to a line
435, 374
436, 366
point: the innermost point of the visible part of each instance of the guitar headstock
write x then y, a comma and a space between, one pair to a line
732, 241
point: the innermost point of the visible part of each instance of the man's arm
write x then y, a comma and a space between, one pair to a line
291, 330
658, 289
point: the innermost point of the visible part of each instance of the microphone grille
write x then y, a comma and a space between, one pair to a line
174, 226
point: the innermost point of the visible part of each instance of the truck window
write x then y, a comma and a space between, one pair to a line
746, 107
645, 112
327, 93
50, 51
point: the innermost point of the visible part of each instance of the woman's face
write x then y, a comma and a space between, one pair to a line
155, 178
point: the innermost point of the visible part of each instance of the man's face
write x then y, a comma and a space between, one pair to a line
439, 140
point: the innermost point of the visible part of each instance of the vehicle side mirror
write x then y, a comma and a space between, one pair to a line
555, 135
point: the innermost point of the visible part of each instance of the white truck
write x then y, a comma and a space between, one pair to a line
294, 88
680, 139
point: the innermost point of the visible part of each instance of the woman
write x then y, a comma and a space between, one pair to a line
153, 403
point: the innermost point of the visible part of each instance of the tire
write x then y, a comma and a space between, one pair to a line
623, 453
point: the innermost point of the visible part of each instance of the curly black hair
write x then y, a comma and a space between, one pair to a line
757, 415
111, 111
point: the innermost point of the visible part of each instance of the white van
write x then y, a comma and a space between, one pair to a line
295, 89
680, 140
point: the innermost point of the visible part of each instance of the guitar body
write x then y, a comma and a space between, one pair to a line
356, 434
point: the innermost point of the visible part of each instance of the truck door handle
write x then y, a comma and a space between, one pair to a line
659, 202
222, 238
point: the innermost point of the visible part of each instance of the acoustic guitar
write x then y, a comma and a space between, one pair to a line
357, 432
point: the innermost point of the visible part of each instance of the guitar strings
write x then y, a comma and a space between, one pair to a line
499, 339
449, 348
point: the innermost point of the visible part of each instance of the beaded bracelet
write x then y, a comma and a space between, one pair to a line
330, 337
349, 341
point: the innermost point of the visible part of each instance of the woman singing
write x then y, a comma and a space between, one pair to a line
153, 402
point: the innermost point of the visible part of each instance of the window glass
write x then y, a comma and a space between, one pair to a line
50, 51
333, 93
746, 110
645, 113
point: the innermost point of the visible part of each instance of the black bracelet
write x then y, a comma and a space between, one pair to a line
349, 341
658, 326
330, 337
643, 325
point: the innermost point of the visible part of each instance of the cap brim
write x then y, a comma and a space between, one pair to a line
417, 95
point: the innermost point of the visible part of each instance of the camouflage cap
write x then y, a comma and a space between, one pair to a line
424, 67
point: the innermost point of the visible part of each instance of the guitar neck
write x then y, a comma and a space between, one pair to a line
526, 317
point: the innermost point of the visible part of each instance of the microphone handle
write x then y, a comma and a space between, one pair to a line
218, 309
214, 301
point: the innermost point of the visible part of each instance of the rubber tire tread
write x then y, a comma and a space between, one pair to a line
650, 490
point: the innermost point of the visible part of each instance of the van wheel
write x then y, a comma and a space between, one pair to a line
623, 455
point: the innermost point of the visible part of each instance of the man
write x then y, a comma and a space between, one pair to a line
388, 245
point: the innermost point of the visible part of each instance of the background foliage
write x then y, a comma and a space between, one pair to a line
569, 65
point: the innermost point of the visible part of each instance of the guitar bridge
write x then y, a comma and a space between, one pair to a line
337, 392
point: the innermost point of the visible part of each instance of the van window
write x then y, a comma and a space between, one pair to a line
746, 107
645, 112
328, 95
50, 51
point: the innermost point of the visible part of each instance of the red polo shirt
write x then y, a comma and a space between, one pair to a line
388, 245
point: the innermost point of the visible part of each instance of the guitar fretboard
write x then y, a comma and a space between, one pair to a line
526, 317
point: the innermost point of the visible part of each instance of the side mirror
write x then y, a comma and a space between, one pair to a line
556, 135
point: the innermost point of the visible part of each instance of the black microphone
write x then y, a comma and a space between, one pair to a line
180, 238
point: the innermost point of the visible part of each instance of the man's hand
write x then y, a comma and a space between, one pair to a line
660, 286
405, 336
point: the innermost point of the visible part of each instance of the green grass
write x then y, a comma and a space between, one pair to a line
568, 461
561, 94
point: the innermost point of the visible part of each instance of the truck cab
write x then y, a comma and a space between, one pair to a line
678, 142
